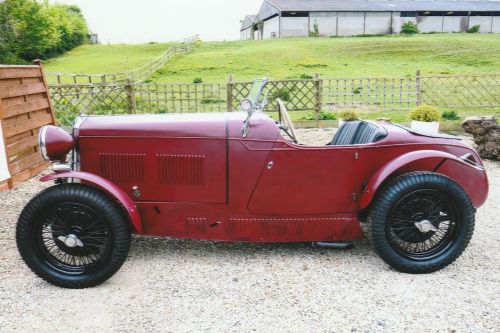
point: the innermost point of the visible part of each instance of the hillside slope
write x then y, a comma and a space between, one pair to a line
337, 57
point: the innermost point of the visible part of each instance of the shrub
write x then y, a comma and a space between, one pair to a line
450, 115
425, 113
285, 94
197, 80
315, 32
349, 115
409, 28
357, 90
322, 116
305, 76
474, 29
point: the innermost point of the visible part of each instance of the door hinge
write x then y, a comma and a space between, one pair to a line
356, 156
354, 196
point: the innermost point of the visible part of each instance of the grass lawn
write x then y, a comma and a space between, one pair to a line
103, 59
337, 57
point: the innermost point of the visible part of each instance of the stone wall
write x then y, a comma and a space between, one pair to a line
486, 132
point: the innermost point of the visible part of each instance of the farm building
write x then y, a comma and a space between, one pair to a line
300, 18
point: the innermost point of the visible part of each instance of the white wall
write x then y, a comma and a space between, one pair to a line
271, 26
294, 27
455, 23
350, 24
430, 23
246, 34
4, 166
327, 23
496, 24
483, 21
378, 23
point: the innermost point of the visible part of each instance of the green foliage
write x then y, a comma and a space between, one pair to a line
33, 29
315, 31
425, 113
474, 29
450, 115
284, 93
357, 90
305, 76
349, 115
197, 80
409, 28
322, 116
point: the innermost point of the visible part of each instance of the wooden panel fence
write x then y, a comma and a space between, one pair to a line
25, 106
318, 94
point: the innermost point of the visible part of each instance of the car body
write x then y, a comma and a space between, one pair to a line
242, 176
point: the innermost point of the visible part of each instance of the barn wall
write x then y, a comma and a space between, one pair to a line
327, 23
246, 34
455, 23
496, 24
271, 26
430, 23
294, 27
350, 23
378, 23
483, 21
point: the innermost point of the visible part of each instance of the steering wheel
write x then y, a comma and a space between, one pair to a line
287, 121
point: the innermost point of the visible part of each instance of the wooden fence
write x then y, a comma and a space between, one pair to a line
136, 75
318, 94
25, 106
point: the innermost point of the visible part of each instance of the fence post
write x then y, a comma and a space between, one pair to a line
129, 89
418, 82
230, 93
318, 85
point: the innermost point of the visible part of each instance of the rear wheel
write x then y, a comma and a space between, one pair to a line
73, 236
421, 222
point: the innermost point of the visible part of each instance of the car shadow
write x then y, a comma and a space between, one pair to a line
145, 247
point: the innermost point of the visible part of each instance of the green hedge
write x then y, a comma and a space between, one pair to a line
31, 29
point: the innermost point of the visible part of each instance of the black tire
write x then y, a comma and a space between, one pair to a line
421, 222
73, 236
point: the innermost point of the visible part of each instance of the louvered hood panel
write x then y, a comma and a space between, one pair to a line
201, 125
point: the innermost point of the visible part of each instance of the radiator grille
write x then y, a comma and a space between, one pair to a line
123, 168
180, 169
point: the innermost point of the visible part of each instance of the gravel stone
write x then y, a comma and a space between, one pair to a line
173, 285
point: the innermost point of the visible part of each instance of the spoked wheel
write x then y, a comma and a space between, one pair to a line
421, 222
73, 236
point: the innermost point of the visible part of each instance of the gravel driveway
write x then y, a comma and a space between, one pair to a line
182, 285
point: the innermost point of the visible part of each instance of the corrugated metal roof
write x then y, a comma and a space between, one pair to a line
384, 5
248, 21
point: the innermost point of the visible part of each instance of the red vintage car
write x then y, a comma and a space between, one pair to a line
243, 177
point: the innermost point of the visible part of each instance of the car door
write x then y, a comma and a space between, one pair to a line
306, 180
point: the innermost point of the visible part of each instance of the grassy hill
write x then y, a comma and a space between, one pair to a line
103, 59
337, 57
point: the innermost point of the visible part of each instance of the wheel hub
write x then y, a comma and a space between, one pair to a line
425, 226
71, 241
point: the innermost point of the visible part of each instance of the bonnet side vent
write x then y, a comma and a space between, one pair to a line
122, 168
180, 169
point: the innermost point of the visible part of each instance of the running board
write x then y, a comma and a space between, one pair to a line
333, 245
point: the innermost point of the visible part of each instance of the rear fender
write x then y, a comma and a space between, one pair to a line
108, 187
471, 178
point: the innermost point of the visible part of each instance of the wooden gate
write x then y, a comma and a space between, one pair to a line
25, 106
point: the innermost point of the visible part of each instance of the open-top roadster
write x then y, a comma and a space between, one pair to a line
242, 176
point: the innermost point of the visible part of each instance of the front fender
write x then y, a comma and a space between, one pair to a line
105, 185
436, 161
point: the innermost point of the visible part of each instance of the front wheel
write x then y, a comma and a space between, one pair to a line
421, 222
73, 236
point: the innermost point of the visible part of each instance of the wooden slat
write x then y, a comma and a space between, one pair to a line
14, 91
27, 125
20, 146
16, 72
17, 109
25, 163
4, 186
28, 173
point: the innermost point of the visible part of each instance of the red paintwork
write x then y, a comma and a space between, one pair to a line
57, 142
200, 179
113, 190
